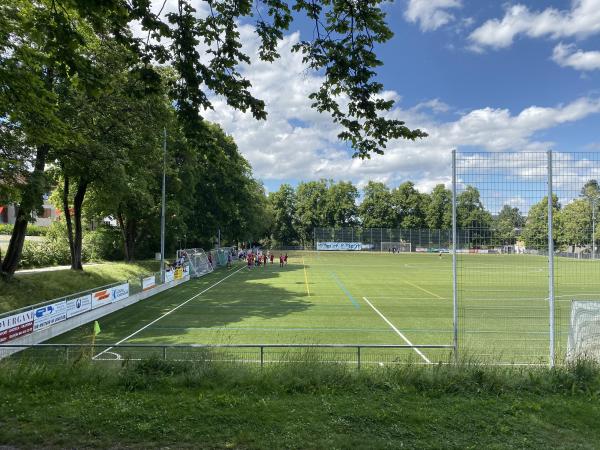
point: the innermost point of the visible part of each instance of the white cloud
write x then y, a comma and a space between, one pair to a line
582, 20
296, 142
569, 56
431, 14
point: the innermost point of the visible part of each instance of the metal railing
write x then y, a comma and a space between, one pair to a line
262, 354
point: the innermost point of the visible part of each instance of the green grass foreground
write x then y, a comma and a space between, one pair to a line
168, 404
28, 289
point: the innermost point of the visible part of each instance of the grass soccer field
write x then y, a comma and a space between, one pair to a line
363, 298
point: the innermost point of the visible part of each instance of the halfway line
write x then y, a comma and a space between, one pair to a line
424, 290
170, 311
398, 331
305, 277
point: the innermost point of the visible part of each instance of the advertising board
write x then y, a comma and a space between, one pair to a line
12, 327
79, 305
47, 315
110, 295
148, 282
169, 276
339, 246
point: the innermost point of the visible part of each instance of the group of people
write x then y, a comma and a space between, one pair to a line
257, 259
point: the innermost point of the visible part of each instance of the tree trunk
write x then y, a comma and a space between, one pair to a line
67, 212
76, 262
75, 239
32, 195
129, 233
130, 238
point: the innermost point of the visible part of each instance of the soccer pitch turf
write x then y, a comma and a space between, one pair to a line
364, 298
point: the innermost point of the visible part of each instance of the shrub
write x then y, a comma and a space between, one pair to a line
104, 243
46, 253
32, 229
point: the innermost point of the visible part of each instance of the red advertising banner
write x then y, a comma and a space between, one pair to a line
12, 327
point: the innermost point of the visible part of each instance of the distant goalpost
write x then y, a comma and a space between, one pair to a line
584, 333
398, 247
197, 260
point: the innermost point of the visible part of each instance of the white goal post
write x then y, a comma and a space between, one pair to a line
584, 332
197, 259
400, 247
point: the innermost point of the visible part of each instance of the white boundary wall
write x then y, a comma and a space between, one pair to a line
59, 328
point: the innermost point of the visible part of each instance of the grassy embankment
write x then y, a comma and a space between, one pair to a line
31, 288
169, 404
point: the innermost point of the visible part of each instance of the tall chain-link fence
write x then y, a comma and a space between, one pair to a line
525, 251
386, 239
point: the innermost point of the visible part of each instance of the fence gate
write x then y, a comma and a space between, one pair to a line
525, 231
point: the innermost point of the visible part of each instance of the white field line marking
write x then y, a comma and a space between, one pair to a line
170, 311
424, 290
305, 277
397, 331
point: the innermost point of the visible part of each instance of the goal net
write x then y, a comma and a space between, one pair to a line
398, 247
584, 334
198, 261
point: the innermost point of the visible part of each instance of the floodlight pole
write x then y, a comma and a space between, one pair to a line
162, 210
454, 268
550, 258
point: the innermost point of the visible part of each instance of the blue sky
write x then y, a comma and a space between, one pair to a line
477, 75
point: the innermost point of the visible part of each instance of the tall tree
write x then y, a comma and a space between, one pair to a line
535, 232
409, 205
376, 209
470, 212
575, 224
438, 211
283, 206
508, 224
340, 209
32, 39
310, 201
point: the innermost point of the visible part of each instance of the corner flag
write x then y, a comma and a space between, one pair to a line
96, 328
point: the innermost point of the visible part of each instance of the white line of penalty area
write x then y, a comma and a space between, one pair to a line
419, 352
170, 311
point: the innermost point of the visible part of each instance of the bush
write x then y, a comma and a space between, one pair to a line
46, 253
104, 243
32, 230
6, 228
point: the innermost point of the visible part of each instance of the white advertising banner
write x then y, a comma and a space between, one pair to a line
110, 295
101, 298
119, 292
169, 276
79, 305
49, 314
148, 283
339, 246
12, 327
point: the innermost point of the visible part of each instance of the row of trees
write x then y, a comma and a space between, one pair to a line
83, 102
297, 212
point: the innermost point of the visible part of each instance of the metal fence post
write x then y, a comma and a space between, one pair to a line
454, 268
358, 356
550, 258
262, 356
165, 352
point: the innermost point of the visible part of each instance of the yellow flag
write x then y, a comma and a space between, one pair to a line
96, 328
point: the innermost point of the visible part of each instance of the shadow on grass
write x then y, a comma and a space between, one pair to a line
256, 293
